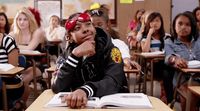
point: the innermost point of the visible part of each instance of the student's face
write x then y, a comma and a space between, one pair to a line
22, 21
2, 21
183, 26
54, 21
198, 15
139, 14
99, 22
155, 23
83, 31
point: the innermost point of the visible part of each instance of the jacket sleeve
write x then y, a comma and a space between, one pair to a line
63, 78
114, 79
169, 50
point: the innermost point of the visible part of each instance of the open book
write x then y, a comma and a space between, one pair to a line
194, 64
119, 100
6, 67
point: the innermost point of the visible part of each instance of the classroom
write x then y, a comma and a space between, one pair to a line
99, 48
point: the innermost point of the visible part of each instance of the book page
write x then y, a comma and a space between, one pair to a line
194, 64
153, 53
6, 67
126, 100
29, 52
56, 100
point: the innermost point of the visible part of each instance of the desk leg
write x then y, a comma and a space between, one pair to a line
49, 78
145, 75
152, 61
190, 101
4, 94
34, 78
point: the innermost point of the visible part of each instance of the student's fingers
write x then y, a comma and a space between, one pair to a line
84, 102
73, 101
79, 101
68, 100
181, 63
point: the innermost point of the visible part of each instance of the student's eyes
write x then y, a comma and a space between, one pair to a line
88, 23
100, 24
77, 28
24, 19
180, 23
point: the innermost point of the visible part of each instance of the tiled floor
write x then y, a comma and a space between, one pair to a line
156, 90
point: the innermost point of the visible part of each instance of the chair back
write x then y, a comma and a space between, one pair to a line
22, 61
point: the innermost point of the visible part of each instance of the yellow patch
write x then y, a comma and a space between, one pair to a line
116, 55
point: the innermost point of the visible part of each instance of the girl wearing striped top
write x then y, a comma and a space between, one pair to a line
154, 33
153, 40
8, 54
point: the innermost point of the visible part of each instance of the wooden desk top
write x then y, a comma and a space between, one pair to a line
195, 89
187, 70
11, 72
51, 69
131, 70
56, 42
38, 105
150, 56
31, 53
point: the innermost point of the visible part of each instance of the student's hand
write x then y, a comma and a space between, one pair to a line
180, 63
135, 65
87, 48
151, 31
77, 99
127, 63
131, 64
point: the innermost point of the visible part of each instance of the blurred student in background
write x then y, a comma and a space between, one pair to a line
196, 13
133, 27
28, 36
14, 85
4, 25
101, 19
182, 47
55, 32
153, 40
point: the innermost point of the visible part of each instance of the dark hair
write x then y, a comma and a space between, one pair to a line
135, 17
7, 26
161, 31
101, 13
194, 30
194, 13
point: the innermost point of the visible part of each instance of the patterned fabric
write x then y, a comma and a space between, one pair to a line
155, 44
7, 45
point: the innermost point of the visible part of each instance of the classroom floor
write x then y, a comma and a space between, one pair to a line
156, 90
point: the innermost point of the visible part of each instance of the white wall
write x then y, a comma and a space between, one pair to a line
13, 6
183, 5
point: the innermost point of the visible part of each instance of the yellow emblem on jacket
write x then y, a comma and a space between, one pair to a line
116, 55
